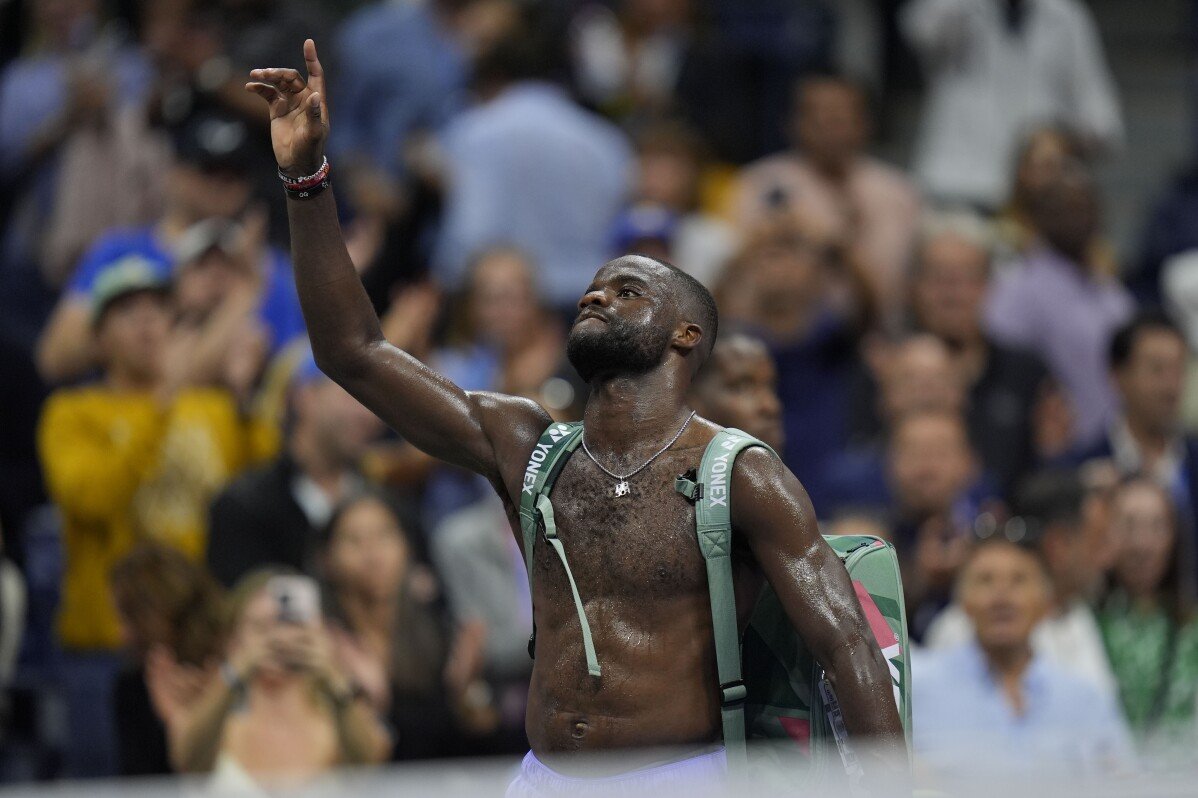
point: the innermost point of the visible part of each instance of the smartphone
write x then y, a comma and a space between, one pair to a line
297, 599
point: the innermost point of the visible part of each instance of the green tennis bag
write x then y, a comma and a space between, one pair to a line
772, 690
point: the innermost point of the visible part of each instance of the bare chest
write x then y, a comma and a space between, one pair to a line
640, 545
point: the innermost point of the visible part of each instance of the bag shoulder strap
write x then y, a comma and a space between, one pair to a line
545, 463
536, 515
713, 525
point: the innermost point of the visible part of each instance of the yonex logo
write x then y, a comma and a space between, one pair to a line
556, 432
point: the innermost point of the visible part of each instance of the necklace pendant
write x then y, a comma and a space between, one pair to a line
622, 488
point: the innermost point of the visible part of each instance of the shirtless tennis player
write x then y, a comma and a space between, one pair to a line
643, 331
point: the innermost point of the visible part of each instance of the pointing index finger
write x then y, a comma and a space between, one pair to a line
312, 62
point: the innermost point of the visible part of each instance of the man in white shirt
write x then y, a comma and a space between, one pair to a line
996, 69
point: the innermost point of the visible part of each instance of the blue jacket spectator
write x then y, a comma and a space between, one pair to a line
529, 167
400, 70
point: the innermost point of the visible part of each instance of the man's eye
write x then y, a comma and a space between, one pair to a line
627, 292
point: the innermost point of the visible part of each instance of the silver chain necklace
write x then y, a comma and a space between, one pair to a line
622, 488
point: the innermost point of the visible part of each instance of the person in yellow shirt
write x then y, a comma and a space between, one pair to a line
135, 456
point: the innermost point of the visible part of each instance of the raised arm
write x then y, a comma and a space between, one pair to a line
771, 509
473, 430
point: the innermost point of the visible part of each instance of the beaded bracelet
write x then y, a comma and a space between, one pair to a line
309, 186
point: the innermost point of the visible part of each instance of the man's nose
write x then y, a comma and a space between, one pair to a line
596, 297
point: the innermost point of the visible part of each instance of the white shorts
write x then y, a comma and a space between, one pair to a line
695, 776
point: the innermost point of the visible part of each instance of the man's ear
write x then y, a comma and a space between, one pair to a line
687, 337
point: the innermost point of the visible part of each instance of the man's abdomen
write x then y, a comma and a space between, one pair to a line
657, 688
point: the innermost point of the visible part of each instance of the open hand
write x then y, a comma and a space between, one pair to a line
299, 114
173, 686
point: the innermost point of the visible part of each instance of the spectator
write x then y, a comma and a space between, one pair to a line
528, 167
1009, 390
738, 387
401, 77
1040, 162
913, 374
401, 71
508, 341
1067, 524
136, 456
777, 288
218, 285
1148, 359
387, 634
1168, 237
920, 470
737, 84
207, 181
265, 31
831, 184
170, 611
272, 515
936, 495
1058, 306
281, 711
628, 59
486, 585
994, 706
55, 112
68, 120
670, 166
995, 69
1147, 620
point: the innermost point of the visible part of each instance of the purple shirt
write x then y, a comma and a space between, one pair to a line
1053, 308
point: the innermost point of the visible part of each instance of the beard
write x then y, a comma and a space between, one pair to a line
615, 348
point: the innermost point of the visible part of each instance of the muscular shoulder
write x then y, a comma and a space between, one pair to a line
521, 416
757, 471
513, 424
767, 499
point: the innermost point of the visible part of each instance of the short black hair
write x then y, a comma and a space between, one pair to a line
1028, 546
869, 100
528, 52
1123, 342
695, 299
1050, 497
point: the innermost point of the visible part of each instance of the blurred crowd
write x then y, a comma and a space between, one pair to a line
214, 560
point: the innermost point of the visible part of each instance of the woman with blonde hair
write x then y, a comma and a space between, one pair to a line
281, 711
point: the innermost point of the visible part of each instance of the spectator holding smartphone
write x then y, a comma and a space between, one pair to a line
281, 710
